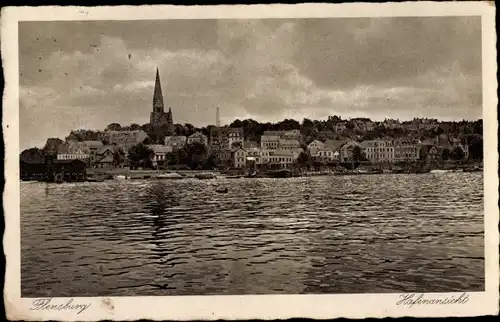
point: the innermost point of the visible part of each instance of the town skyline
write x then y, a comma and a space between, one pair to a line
265, 70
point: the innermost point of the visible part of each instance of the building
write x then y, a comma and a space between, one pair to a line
124, 139
281, 159
158, 116
105, 157
288, 144
255, 153
346, 151
316, 144
239, 157
269, 142
174, 143
159, 157
226, 138
285, 135
378, 151
197, 137
405, 150
73, 151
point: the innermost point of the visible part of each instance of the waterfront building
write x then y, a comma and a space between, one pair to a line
159, 155
174, 143
378, 151
346, 151
255, 153
197, 137
239, 158
405, 150
105, 157
158, 116
73, 151
278, 158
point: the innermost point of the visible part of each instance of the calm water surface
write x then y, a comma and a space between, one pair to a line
378, 233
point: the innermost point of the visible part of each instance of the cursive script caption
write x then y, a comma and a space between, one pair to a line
51, 305
413, 299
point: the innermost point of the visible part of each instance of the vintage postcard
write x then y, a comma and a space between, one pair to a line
250, 162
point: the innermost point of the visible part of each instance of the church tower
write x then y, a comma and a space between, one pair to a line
158, 116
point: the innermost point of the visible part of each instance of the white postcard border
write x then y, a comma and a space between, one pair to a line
247, 306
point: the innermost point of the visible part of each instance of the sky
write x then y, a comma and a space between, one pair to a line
89, 74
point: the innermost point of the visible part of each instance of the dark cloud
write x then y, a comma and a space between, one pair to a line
89, 74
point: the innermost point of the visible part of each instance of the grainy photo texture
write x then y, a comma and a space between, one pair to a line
251, 156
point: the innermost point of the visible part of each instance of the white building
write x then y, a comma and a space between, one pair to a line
378, 151
239, 158
159, 156
197, 137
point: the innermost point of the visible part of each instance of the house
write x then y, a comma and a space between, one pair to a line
105, 157
346, 151
174, 143
335, 146
197, 137
378, 151
268, 142
429, 152
239, 157
316, 144
159, 157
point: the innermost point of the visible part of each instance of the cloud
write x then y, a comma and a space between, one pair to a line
90, 74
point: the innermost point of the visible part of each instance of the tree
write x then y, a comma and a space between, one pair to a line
445, 154
140, 156
32, 155
304, 159
114, 127
357, 154
135, 127
196, 154
118, 157
475, 147
457, 154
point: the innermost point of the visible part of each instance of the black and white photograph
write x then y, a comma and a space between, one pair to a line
252, 156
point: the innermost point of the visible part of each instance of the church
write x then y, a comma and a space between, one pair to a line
158, 117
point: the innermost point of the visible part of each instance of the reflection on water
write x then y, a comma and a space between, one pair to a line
380, 233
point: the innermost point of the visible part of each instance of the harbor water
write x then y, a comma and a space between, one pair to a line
332, 234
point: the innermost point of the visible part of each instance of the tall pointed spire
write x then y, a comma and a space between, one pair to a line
157, 95
217, 118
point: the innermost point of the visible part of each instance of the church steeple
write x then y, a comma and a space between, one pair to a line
157, 95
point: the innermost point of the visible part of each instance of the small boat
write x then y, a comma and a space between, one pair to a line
121, 177
280, 173
233, 177
169, 176
91, 179
204, 176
